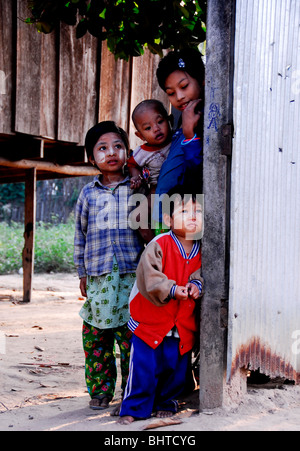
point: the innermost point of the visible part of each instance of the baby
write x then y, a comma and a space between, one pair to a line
152, 125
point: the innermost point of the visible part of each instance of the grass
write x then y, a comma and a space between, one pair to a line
53, 247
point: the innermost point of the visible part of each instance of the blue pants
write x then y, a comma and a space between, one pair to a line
156, 378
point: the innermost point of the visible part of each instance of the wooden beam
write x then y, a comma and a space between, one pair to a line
29, 233
49, 167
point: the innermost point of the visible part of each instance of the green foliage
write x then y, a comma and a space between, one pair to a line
12, 192
53, 247
11, 246
127, 25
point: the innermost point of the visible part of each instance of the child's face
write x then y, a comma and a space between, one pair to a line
181, 89
187, 219
153, 127
109, 153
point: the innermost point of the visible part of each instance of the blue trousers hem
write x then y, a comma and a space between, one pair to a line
156, 378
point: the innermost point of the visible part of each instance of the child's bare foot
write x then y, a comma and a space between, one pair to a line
99, 404
126, 420
116, 411
164, 414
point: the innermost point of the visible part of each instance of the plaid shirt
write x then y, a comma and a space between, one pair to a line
102, 230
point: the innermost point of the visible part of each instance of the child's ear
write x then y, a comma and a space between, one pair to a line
91, 160
167, 219
139, 135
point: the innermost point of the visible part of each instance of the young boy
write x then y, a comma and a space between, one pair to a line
162, 305
152, 125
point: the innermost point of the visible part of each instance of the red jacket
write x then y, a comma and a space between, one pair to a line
153, 313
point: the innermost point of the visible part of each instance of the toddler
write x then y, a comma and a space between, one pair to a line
162, 307
153, 127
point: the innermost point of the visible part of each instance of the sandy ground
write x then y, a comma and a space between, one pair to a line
42, 374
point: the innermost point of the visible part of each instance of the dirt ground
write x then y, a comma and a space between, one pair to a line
42, 373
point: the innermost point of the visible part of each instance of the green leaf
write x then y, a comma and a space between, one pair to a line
155, 49
127, 25
44, 27
184, 11
102, 15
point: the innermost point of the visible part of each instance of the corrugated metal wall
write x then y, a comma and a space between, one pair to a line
264, 302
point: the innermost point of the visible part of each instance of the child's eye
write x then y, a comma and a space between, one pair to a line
184, 86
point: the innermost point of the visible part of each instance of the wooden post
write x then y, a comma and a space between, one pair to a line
29, 234
216, 187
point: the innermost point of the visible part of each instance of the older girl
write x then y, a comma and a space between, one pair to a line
106, 254
181, 75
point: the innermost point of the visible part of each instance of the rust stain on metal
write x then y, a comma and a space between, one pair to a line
255, 355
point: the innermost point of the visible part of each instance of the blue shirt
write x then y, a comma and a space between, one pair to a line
182, 167
102, 230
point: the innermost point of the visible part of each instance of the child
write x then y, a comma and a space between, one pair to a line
181, 75
151, 121
163, 322
106, 257
152, 125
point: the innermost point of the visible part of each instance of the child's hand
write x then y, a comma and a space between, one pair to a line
181, 293
82, 287
135, 182
193, 290
190, 119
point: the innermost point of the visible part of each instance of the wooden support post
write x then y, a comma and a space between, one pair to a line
29, 234
216, 187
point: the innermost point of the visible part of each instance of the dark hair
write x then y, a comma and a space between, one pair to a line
144, 104
100, 129
179, 192
187, 60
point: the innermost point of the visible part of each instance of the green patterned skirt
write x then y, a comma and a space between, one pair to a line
106, 305
106, 314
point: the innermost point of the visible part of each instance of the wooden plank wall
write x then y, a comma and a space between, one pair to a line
115, 87
6, 66
56, 86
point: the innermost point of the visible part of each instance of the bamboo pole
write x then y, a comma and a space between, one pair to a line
29, 233
49, 167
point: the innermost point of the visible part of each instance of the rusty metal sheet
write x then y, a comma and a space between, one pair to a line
264, 301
